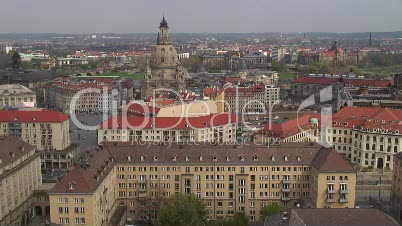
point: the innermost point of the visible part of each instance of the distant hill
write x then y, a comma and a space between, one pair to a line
184, 36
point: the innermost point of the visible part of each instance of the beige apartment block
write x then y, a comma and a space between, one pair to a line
46, 130
228, 178
396, 189
20, 175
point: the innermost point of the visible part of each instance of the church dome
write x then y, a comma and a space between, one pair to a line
313, 120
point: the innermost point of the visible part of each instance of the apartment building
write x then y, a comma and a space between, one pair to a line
396, 189
48, 131
366, 136
107, 94
220, 128
20, 175
278, 54
257, 98
13, 94
228, 178
86, 195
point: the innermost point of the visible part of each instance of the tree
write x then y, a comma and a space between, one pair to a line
182, 210
239, 219
271, 209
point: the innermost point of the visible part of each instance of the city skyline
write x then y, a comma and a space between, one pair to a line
47, 16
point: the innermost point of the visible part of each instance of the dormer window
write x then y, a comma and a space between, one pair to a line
299, 158
142, 158
214, 157
228, 158
286, 158
187, 158
201, 158
255, 158
272, 158
174, 158
129, 158
241, 157
71, 185
155, 158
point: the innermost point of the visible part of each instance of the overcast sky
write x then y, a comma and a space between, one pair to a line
139, 16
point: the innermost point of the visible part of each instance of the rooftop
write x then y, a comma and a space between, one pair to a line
168, 122
340, 217
356, 82
12, 149
96, 163
14, 89
44, 116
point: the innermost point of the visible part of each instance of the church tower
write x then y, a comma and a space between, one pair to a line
163, 35
164, 71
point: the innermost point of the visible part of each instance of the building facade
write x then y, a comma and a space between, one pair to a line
228, 179
220, 128
13, 94
368, 137
396, 189
106, 95
258, 98
46, 130
165, 70
20, 175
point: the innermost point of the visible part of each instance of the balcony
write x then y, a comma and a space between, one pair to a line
142, 189
343, 200
142, 181
285, 189
344, 191
331, 191
286, 181
285, 198
330, 200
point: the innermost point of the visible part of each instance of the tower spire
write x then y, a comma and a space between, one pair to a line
163, 36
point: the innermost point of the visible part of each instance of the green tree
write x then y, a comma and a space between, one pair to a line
271, 209
239, 219
312, 69
182, 210
324, 68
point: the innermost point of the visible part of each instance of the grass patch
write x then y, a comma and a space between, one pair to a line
287, 75
380, 70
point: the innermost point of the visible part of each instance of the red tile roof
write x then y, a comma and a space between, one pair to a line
93, 162
368, 118
169, 122
329, 160
290, 127
33, 116
350, 81
212, 92
140, 109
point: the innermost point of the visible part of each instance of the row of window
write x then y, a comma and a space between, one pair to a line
77, 220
